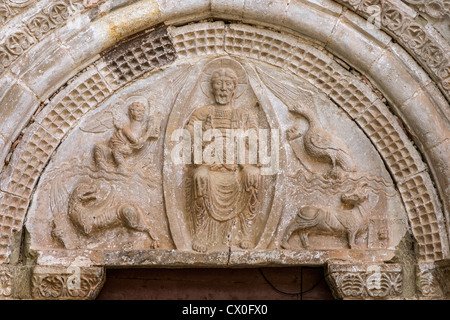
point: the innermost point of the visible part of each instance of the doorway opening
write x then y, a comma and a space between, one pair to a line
283, 283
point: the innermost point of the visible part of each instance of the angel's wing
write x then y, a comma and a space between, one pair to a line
289, 91
177, 80
104, 121
328, 142
58, 197
99, 123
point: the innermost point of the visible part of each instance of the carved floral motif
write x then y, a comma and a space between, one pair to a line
427, 283
366, 282
10, 8
412, 35
5, 284
438, 9
33, 29
58, 283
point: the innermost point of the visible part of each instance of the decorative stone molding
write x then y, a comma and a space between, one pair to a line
437, 9
72, 283
10, 8
365, 281
428, 46
300, 64
6, 282
34, 29
60, 116
72, 204
427, 281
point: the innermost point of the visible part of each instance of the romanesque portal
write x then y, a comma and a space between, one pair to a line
222, 143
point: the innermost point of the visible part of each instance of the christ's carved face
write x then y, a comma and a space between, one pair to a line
223, 88
224, 85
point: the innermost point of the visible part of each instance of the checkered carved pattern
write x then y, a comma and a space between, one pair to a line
137, 56
67, 112
416, 189
259, 44
200, 39
401, 156
156, 49
12, 213
29, 161
350, 98
317, 68
419, 198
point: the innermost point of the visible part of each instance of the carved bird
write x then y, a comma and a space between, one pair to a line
318, 143
323, 146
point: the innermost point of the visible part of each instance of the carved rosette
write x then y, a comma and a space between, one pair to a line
365, 281
413, 36
34, 28
58, 283
438, 9
9, 8
136, 65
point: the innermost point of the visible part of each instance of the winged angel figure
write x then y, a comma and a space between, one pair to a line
128, 139
319, 145
86, 196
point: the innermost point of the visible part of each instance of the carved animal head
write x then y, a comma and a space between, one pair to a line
85, 194
353, 199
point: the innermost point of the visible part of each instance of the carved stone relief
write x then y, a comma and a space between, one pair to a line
34, 28
9, 8
6, 283
109, 194
432, 53
365, 281
230, 159
205, 145
427, 281
436, 9
66, 283
223, 202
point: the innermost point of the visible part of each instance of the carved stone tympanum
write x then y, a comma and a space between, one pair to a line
224, 153
201, 143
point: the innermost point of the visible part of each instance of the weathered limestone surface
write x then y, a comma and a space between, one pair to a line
115, 142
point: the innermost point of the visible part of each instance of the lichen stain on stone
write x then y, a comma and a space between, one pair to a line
131, 19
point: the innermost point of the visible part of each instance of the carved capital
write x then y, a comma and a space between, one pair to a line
71, 283
427, 281
371, 281
6, 282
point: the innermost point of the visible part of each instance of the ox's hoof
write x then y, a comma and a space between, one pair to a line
285, 246
155, 244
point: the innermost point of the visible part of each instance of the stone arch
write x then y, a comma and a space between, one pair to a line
107, 68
